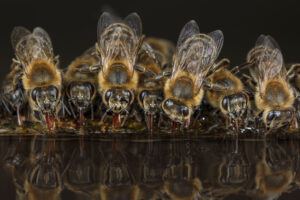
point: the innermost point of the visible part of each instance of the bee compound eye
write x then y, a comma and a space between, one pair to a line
35, 92
108, 94
225, 103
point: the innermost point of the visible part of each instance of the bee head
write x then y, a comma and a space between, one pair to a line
278, 118
235, 105
151, 101
81, 94
45, 98
118, 100
44, 174
176, 111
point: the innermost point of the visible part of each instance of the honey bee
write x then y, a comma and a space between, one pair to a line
180, 181
41, 78
44, 179
272, 179
12, 98
195, 54
155, 55
81, 88
118, 45
230, 97
274, 96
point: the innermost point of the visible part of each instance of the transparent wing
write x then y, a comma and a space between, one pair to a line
189, 29
134, 21
271, 65
104, 21
34, 46
45, 41
267, 41
17, 34
120, 42
197, 54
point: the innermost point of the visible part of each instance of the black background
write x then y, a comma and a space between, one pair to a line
72, 26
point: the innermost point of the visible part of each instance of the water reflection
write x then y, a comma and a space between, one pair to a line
89, 168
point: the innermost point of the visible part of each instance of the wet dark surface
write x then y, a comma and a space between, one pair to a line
148, 167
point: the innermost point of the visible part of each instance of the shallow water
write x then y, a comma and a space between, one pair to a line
148, 167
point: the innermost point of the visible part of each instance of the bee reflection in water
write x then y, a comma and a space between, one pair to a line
47, 168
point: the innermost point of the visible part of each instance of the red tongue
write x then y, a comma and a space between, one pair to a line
19, 115
117, 120
174, 126
50, 121
81, 118
150, 122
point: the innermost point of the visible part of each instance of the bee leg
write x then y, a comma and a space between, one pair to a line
92, 111
6, 106
125, 118
144, 70
162, 75
249, 81
72, 110
214, 86
197, 116
64, 108
291, 72
159, 120
104, 116
222, 63
86, 68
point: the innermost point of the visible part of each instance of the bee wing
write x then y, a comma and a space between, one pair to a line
197, 53
134, 21
270, 65
32, 46
104, 21
189, 29
119, 41
45, 42
266, 41
17, 34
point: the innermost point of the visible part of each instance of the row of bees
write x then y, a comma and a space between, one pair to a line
128, 75
190, 170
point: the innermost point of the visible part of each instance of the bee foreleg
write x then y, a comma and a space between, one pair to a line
104, 116
64, 108
5, 105
72, 110
125, 118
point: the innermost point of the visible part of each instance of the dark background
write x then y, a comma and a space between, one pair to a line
72, 26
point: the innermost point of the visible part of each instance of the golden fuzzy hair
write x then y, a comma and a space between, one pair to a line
194, 101
105, 85
73, 73
41, 73
215, 97
260, 99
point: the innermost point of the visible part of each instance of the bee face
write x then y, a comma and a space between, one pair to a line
151, 101
45, 98
177, 111
235, 105
81, 94
278, 118
118, 100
